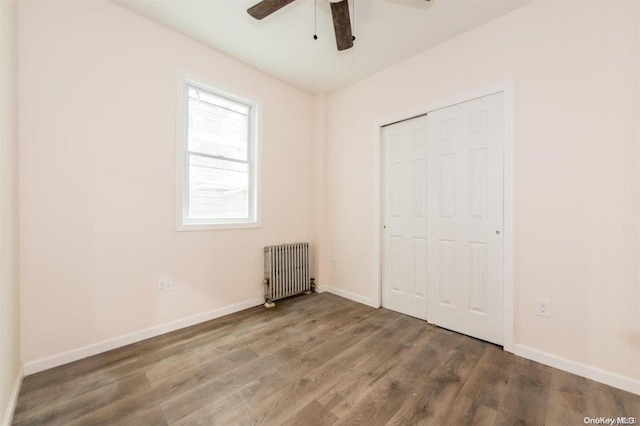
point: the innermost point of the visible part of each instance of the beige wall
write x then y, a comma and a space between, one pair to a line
97, 168
575, 71
9, 312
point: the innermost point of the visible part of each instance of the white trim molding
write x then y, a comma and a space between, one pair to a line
7, 418
507, 88
127, 339
186, 80
348, 295
616, 380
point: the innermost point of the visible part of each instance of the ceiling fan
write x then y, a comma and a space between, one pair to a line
339, 13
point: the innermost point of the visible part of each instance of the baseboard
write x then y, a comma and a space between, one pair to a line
7, 418
127, 339
603, 376
348, 295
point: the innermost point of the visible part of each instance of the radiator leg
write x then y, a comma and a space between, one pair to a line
312, 286
268, 303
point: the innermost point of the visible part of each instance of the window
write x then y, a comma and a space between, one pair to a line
216, 162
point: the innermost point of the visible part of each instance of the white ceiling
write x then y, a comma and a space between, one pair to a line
282, 45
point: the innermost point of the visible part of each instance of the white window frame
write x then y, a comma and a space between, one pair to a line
183, 223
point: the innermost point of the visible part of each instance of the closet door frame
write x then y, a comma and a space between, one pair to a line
506, 88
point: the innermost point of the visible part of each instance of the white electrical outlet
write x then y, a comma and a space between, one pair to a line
165, 285
543, 307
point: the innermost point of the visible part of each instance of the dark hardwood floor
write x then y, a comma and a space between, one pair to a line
314, 360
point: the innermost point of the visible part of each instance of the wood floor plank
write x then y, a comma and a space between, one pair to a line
609, 404
77, 376
467, 412
435, 390
321, 327
303, 349
328, 350
525, 400
63, 410
264, 344
387, 397
173, 384
317, 359
380, 404
312, 414
262, 392
73, 385
260, 389
227, 411
618, 394
247, 324
207, 390
569, 392
214, 364
559, 415
488, 381
307, 385
145, 415
316, 356
353, 388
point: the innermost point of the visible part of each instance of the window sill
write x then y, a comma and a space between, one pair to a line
216, 226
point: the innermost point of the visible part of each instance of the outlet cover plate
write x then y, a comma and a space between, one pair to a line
165, 285
543, 307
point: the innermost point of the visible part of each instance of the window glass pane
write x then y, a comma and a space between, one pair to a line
217, 126
218, 189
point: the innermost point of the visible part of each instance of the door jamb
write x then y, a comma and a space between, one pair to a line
506, 88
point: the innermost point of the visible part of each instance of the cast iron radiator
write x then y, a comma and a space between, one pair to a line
286, 271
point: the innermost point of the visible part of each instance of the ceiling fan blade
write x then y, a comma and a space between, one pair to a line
342, 24
267, 7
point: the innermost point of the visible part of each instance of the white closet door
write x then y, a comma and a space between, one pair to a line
404, 269
465, 217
